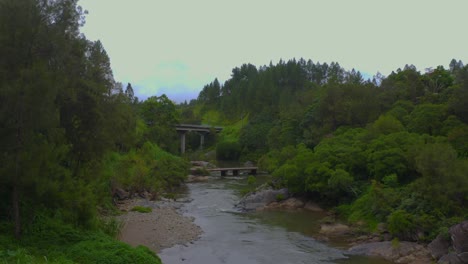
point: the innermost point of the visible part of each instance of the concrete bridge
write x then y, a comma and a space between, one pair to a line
202, 130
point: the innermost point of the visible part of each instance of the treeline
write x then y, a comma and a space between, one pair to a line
70, 134
392, 149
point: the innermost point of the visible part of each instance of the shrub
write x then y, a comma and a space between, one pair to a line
106, 251
401, 224
279, 197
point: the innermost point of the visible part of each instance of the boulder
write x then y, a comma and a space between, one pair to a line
248, 164
121, 194
459, 236
313, 207
334, 229
403, 252
193, 178
451, 258
252, 201
291, 203
439, 247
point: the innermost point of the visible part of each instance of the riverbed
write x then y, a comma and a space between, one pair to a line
233, 237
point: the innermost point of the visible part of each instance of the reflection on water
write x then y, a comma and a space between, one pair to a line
263, 237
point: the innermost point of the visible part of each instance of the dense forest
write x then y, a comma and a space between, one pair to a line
393, 149
69, 136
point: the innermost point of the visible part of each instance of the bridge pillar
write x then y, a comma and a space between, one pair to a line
202, 140
182, 142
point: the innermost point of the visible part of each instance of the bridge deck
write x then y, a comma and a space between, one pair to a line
235, 171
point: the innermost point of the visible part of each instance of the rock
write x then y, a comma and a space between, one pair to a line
382, 228
463, 257
439, 247
334, 229
311, 206
451, 258
404, 252
121, 194
459, 236
248, 164
193, 178
255, 200
199, 171
291, 203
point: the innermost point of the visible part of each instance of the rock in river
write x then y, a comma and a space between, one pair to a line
261, 198
403, 252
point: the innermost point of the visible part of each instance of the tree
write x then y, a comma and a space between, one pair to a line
129, 92
160, 116
34, 39
427, 118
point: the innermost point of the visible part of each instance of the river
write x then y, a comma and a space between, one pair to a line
239, 238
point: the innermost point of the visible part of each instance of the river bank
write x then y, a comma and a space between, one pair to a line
161, 228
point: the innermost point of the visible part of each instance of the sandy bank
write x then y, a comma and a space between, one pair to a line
164, 227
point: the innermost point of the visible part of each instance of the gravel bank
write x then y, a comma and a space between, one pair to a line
164, 227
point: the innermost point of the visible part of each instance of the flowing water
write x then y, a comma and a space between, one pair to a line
253, 238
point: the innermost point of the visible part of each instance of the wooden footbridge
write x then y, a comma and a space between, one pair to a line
235, 171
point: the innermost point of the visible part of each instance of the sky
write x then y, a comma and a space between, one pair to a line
175, 47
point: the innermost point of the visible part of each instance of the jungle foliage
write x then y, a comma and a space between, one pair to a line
69, 135
389, 149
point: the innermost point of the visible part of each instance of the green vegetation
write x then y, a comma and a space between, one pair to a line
389, 150
49, 240
70, 136
142, 209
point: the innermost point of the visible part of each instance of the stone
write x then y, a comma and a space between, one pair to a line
193, 178
313, 207
403, 252
439, 247
451, 258
248, 164
459, 236
291, 203
252, 201
334, 229
121, 194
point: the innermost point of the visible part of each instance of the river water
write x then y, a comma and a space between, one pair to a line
239, 238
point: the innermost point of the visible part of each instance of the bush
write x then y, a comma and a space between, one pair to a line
49, 240
228, 150
106, 251
401, 224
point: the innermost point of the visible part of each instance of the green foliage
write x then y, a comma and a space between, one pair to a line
396, 243
386, 124
340, 180
401, 224
228, 150
103, 250
160, 116
149, 168
49, 240
390, 180
142, 209
251, 180
279, 197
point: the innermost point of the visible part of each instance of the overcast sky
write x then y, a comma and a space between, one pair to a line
176, 47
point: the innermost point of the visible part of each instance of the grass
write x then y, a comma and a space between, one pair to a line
49, 240
142, 209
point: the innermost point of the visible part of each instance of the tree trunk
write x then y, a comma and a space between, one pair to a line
16, 211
